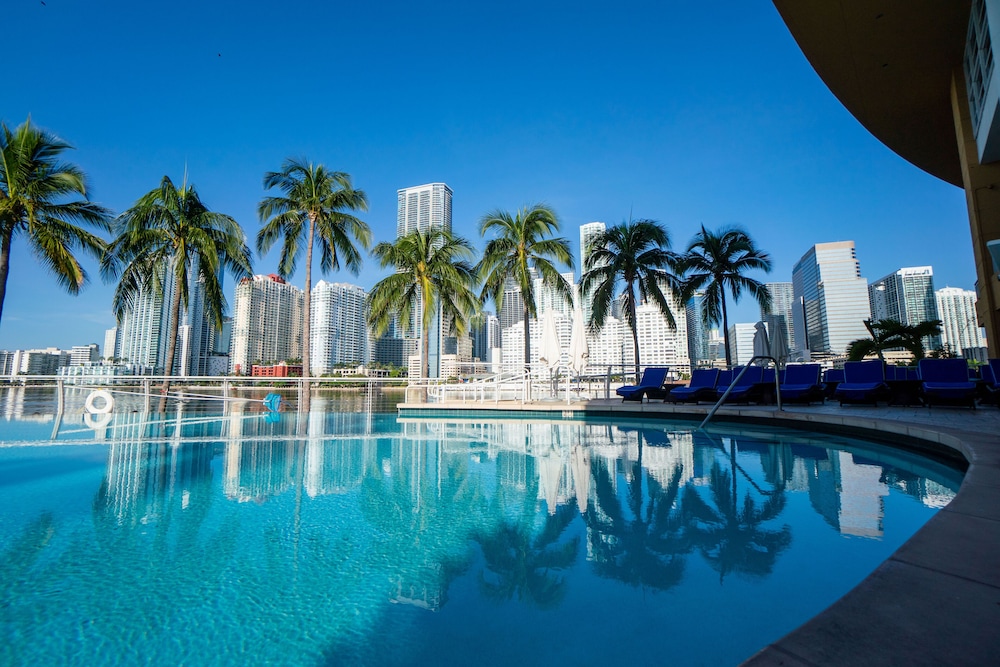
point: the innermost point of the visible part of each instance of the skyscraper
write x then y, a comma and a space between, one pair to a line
831, 300
697, 333
425, 207
780, 314
960, 328
267, 323
588, 233
906, 296
339, 331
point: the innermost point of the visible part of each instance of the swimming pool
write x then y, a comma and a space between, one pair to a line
361, 538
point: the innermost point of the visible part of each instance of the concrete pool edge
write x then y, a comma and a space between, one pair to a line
936, 600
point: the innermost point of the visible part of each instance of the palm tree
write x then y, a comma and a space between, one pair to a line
891, 334
166, 242
432, 273
715, 262
34, 187
314, 209
523, 247
637, 254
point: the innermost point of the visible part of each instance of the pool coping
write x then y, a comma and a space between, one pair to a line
935, 600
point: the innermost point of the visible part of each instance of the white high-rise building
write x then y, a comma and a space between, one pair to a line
659, 344
110, 343
425, 207
906, 296
960, 328
588, 233
339, 331
831, 300
267, 323
780, 314
144, 330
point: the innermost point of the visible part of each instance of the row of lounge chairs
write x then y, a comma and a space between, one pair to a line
932, 382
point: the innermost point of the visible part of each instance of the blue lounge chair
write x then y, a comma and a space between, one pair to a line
946, 381
864, 382
990, 387
702, 387
743, 391
801, 384
653, 379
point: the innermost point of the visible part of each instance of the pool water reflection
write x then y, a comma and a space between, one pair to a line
363, 539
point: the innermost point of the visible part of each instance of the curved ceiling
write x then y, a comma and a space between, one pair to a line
890, 64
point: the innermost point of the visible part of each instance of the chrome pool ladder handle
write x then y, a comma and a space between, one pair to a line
722, 399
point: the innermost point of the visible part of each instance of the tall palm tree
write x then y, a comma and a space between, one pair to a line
37, 201
632, 254
168, 240
432, 272
314, 209
715, 262
523, 246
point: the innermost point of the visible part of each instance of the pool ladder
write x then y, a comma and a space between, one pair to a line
722, 399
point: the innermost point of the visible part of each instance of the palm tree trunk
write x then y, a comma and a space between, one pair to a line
725, 329
4, 267
635, 332
527, 339
175, 314
307, 320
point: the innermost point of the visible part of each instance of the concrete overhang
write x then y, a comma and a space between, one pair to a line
890, 64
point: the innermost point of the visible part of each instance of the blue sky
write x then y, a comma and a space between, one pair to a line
678, 111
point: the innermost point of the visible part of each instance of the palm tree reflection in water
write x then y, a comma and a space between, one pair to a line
731, 537
524, 563
640, 542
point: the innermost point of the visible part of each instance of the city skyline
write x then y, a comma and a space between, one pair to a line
745, 134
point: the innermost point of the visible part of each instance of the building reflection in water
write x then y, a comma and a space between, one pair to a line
149, 471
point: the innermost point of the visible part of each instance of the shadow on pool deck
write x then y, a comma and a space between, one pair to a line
935, 601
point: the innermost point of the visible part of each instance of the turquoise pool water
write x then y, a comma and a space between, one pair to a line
358, 538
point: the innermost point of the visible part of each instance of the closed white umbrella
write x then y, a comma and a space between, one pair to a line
779, 343
761, 345
579, 352
550, 349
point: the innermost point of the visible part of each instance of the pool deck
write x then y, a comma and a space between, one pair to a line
936, 600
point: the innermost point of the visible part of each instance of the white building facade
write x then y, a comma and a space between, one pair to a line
339, 332
960, 328
267, 323
831, 300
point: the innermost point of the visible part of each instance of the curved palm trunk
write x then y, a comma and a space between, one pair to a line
307, 321
635, 331
725, 330
175, 313
4, 267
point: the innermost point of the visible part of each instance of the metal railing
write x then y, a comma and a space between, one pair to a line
729, 389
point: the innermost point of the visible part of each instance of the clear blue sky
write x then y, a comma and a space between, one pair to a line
678, 111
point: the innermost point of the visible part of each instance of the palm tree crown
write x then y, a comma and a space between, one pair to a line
34, 187
432, 271
892, 334
170, 237
632, 254
522, 249
314, 209
715, 262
